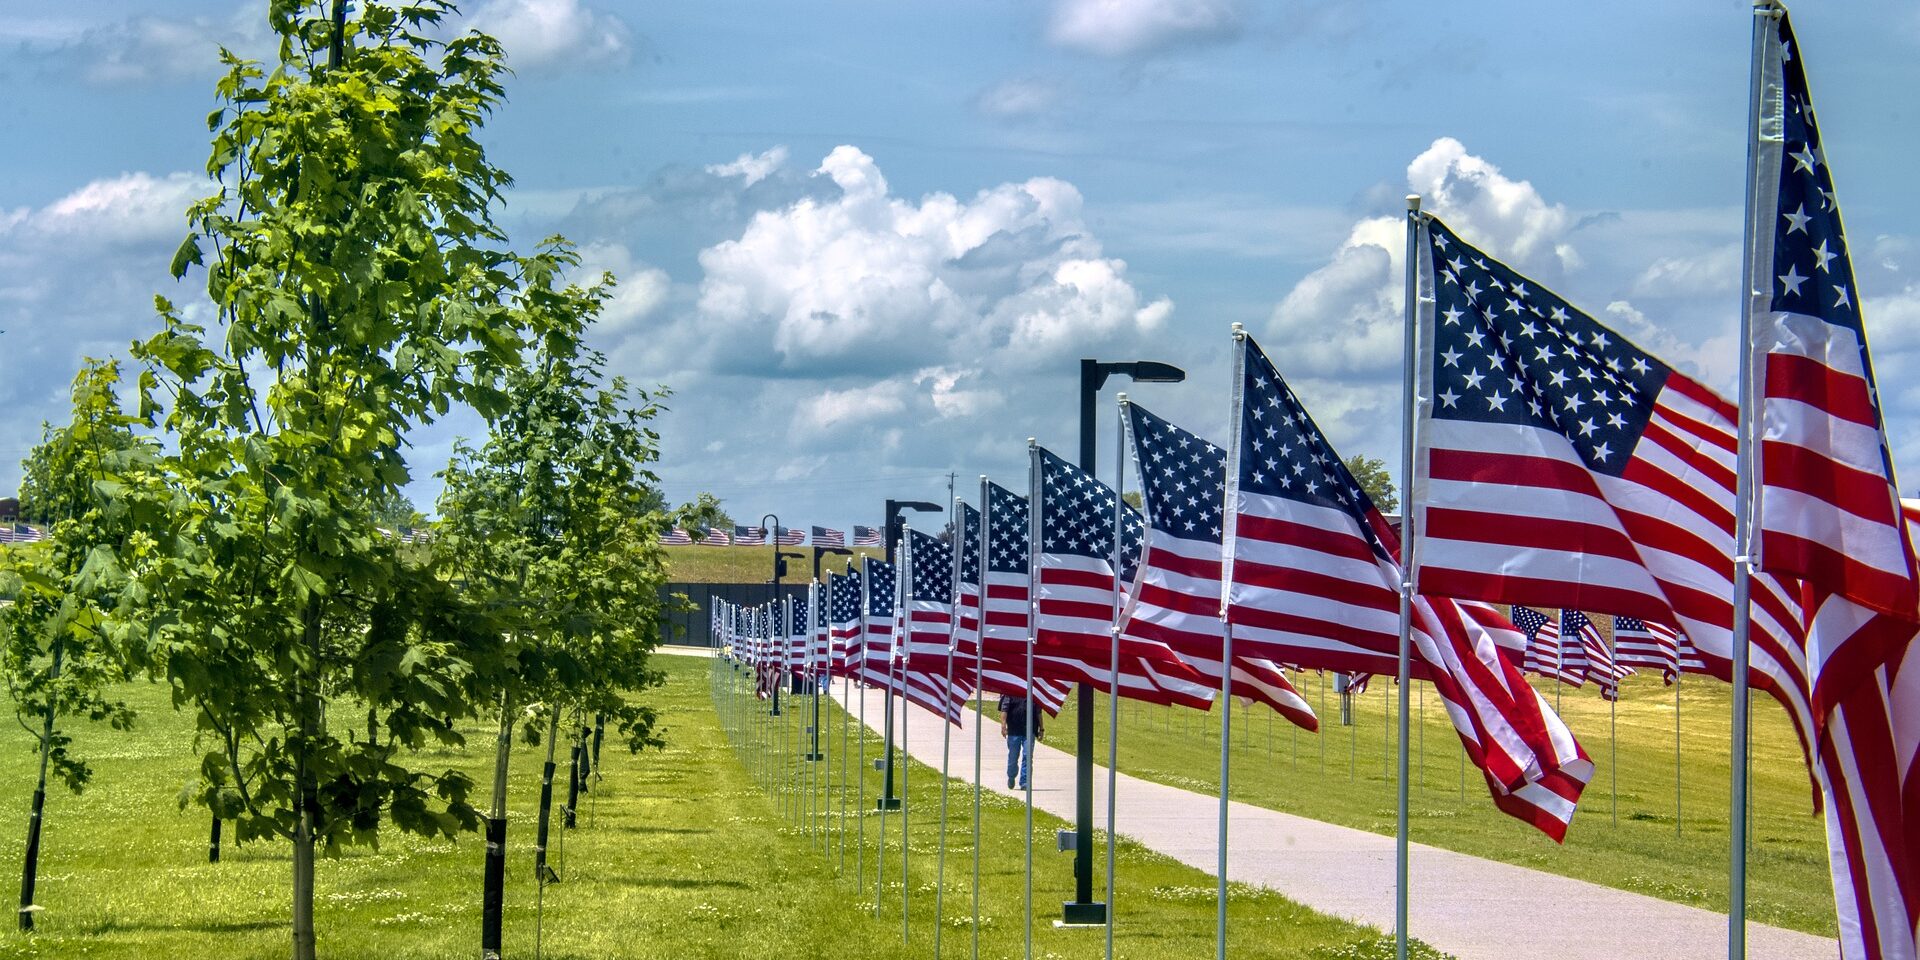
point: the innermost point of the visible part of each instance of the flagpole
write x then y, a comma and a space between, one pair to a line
1676, 750
1033, 622
860, 850
979, 712
1407, 568
946, 728
902, 630
1230, 529
1113, 664
1745, 550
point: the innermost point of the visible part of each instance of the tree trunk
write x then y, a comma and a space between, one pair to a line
494, 874
306, 791
29, 872
540, 871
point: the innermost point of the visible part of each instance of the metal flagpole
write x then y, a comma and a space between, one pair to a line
1229, 531
1613, 747
979, 704
1676, 749
1407, 586
946, 731
860, 848
900, 634
1763, 72
1023, 764
1113, 664
880, 855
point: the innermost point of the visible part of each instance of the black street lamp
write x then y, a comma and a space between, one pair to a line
1082, 909
772, 532
895, 530
819, 551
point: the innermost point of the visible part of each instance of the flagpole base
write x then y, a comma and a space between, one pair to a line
1077, 914
813, 757
887, 803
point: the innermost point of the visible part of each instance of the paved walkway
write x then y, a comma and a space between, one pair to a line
1472, 908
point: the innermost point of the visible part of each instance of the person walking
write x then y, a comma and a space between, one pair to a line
1014, 712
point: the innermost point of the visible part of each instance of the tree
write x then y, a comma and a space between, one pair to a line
57, 651
701, 514
1371, 473
1134, 499
553, 525
361, 289
394, 511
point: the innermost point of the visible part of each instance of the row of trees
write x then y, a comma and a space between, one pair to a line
224, 536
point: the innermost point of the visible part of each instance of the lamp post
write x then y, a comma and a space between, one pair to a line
889, 801
1082, 909
819, 552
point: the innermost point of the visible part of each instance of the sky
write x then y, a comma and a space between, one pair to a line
865, 244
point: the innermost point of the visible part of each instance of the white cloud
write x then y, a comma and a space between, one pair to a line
555, 33
1018, 97
1120, 28
1708, 272
876, 281
639, 290
1504, 216
146, 50
829, 410
130, 208
751, 166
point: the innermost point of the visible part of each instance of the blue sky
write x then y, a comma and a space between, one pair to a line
865, 242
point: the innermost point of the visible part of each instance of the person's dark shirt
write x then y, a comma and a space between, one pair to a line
1015, 711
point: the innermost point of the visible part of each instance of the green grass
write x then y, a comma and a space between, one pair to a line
682, 853
1345, 776
698, 564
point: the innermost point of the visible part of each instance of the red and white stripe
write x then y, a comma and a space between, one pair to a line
1543, 651
1511, 514
1176, 604
1307, 588
1651, 645
1074, 611
1004, 621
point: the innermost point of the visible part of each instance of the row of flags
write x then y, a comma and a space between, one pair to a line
1557, 466
783, 536
21, 533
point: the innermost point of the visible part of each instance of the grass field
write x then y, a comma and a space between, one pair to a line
1345, 776
698, 564
682, 853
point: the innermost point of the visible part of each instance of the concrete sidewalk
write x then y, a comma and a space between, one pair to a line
1472, 908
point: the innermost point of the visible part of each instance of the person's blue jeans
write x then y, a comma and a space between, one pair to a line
1019, 754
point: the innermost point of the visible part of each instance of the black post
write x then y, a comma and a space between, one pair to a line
540, 871
773, 534
1082, 908
893, 532
495, 874
213, 843
573, 789
599, 733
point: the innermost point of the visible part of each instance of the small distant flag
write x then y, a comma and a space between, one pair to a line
789, 537
868, 536
22, 533
749, 536
1637, 643
829, 537
1543, 641
676, 538
716, 538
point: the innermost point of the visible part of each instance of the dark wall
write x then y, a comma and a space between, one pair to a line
693, 625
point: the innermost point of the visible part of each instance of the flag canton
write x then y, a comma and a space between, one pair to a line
843, 591
1284, 454
798, 610
1628, 625
1078, 514
1182, 477
969, 544
1506, 351
1812, 272
932, 578
879, 588
1006, 516
867, 536
1529, 620
1573, 622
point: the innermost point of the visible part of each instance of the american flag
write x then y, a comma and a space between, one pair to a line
1573, 666
21, 533
716, 538
1828, 509
1596, 661
1007, 610
1177, 600
796, 634
868, 536
843, 621
1637, 643
1077, 591
966, 594
829, 537
876, 659
1825, 485
930, 627
789, 537
749, 536
1564, 466
1313, 578
676, 538
1543, 641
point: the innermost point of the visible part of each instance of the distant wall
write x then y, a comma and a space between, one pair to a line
694, 626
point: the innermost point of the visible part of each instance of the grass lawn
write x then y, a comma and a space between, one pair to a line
681, 853
1344, 776
698, 564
